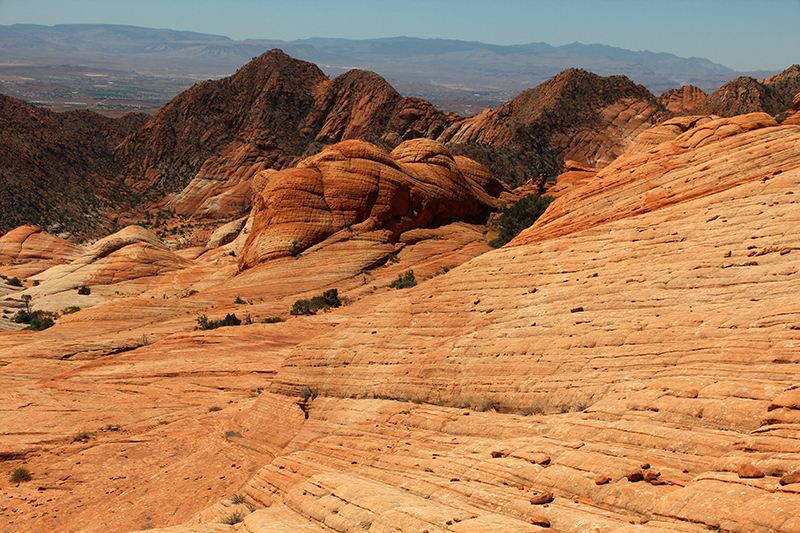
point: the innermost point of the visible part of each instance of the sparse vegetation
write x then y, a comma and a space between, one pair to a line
69, 310
214, 409
203, 323
20, 475
441, 270
308, 393
83, 291
273, 320
486, 406
533, 410
83, 436
234, 518
518, 217
111, 427
14, 282
293, 249
405, 280
36, 320
239, 300
393, 258
325, 301
236, 499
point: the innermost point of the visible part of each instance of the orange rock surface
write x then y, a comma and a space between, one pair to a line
354, 186
682, 101
648, 318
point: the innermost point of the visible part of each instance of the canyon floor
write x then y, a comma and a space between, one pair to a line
628, 364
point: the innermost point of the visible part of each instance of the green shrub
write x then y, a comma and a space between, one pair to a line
14, 282
486, 406
518, 217
534, 410
239, 300
69, 310
40, 323
293, 249
37, 320
203, 323
325, 301
234, 518
238, 498
393, 258
19, 475
308, 393
405, 280
273, 320
214, 409
83, 436
84, 291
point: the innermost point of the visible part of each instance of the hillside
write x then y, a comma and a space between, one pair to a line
59, 168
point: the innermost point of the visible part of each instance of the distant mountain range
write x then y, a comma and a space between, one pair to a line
435, 69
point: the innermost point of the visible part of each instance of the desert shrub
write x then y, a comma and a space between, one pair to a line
405, 280
273, 320
521, 215
214, 409
238, 498
14, 282
308, 393
239, 300
293, 249
37, 320
325, 301
486, 406
40, 323
534, 410
441, 270
234, 518
84, 291
83, 436
69, 310
203, 323
19, 475
393, 258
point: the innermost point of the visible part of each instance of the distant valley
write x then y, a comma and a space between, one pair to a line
123, 68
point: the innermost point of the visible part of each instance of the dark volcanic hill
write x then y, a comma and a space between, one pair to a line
59, 167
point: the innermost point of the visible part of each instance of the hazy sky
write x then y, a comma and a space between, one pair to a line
744, 35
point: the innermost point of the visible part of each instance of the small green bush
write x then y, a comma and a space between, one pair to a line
83, 436
238, 498
239, 300
234, 518
14, 282
69, 310
37, 320
203, 323
214, 409
393, 258
518, 217
84, 291
293, 249
308, 393
405, 280
325, 301
486, 406
534, 410
274, 320
40, 323
19, 475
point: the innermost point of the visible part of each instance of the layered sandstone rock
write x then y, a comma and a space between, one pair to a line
31, 243
682, 101
355, 187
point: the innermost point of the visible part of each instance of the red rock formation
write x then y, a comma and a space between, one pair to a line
356, 187
576, 115
682, 101
268, 114
746, 95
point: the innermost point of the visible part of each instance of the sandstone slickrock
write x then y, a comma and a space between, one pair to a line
674, 361
356, 188
682, 101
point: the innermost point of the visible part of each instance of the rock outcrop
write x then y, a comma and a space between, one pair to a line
267, 115
355, 187
682, 101
576, 115
746, 95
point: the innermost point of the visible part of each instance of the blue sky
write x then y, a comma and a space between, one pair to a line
744, 35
